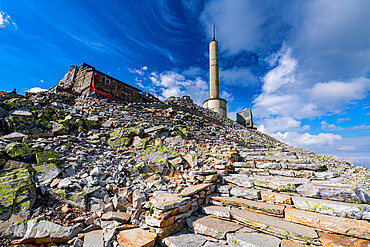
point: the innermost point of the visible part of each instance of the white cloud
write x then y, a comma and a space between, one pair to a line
171, 83
42, 81
282, 74
36, 90
342, 120
5, 20
271, 125
227, 96
326, 126
306, 139
140, 71
337, 92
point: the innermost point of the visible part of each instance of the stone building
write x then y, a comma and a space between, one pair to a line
86, 80
245, 118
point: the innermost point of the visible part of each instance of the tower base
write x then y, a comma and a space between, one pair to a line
217, 105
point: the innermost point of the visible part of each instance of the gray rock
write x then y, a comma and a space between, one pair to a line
216, 210
252, 240
214, 227
334, 191
38, 232
94, 239
3, 113
240, 180
340, 209
185, 239
13, 137
64, 183
246, 193
21, 113
268, 165
46, 173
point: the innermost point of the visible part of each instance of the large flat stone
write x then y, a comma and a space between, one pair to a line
295, 166
136, 238
351, 227
275, 197
94, 239
333, 191
119, 216
340, 209
169, 201
39, 232
278, 183
189, 191
260, 207
276, 226
252, 240
185, 239
170, 230
241, 180
252, 194
216, 211
268, 165
214, 227
330, 240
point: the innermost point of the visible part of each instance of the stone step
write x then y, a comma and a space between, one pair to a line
218, 211
252, 194
241, 180
334, 208
185, 239
275, 226
252, 239
168, 201
333, 191
214, 227
279, 183
329, 240
191, 190
260, 207
351, 227
275, 197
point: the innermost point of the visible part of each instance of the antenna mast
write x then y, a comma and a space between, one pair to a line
213, 32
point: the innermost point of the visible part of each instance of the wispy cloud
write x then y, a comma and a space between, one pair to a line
6, 21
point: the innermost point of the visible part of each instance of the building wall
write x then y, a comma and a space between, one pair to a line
79, 80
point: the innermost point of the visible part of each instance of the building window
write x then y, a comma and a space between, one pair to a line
105, 80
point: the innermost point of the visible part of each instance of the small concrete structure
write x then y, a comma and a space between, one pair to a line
214, 103
245, 118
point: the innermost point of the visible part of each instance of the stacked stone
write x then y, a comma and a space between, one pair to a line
168, 212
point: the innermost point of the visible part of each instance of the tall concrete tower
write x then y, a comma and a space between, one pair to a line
214, 103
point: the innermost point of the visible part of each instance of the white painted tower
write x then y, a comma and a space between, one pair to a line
214, 103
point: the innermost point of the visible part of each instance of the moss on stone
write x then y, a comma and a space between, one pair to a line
45, 156
121, 137
20, 151
17, 192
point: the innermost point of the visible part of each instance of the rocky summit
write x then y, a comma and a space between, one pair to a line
102, 172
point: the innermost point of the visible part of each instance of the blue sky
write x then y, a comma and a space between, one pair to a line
302, 66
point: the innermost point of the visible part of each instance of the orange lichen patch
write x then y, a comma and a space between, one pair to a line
333, 240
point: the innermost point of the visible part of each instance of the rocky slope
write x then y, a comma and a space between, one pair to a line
98, 172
